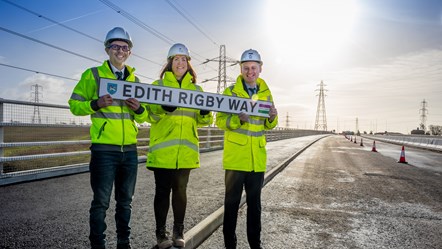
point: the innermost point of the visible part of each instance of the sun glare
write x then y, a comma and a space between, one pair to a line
309, 32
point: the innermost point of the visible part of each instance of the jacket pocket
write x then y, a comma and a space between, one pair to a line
162, 130
135, 128
195, 131
237, 138
101, 130
262, 142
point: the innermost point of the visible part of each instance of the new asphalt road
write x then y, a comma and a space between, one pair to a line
335, 194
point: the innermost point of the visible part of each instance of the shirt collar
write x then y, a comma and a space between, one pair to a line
246, 86
114, 69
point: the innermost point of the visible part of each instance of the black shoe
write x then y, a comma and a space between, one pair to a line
98, 246
230, 242
124, 246
178, 236
163, 239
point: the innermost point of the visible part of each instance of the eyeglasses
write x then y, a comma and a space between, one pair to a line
117, 47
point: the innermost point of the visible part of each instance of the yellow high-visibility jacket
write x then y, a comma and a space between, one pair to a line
174, 142
244, 144
114, 124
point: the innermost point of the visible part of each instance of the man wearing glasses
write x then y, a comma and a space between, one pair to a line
113, 132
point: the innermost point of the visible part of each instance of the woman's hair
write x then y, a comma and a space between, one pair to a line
168, 68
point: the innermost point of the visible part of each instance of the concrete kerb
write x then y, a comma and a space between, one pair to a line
201, 231
40, 174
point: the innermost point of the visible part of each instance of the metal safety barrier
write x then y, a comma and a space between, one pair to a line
40, 140
433, 143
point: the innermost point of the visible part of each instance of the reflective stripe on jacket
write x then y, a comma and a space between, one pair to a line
244, 144
174, 142
114, 124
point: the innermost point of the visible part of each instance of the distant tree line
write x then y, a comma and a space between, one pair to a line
435, 130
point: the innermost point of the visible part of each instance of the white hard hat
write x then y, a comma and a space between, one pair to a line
178, 49
251, 55
118, 33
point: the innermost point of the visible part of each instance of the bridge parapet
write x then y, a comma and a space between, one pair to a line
424, 142
40, 140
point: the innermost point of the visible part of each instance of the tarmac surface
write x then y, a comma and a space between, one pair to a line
340, 195
53, 213
333, 195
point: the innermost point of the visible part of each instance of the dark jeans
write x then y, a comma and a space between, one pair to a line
252, 183
167, 180
106, 169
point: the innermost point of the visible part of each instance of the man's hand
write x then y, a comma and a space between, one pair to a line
272, 113
105, 100
243, 117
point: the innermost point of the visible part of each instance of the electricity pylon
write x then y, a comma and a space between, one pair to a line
35, 97
222, 77
423, 111
287, 121
357, 127
321, 118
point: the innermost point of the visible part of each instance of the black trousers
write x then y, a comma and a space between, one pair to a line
252, 183
167, 180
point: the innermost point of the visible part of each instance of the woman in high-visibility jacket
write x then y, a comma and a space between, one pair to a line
245, 157
174, 146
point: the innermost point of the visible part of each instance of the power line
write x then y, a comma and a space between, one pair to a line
193, 24
190, 21
112, 6
37, 72
61, 49
50, 20
144, 26
47, 44
138, 56
180, 9
69, 28
138, 22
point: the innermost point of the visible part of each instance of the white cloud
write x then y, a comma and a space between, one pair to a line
386, 96
50, 90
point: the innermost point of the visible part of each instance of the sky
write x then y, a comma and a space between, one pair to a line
379, 60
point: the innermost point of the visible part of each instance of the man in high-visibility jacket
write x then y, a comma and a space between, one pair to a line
245, 156
114, 158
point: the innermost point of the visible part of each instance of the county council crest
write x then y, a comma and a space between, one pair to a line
111, 88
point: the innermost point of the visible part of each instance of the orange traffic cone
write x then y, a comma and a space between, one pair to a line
402, 158
355, 140
374, 147
362, 144
351, 139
